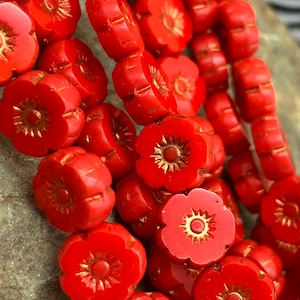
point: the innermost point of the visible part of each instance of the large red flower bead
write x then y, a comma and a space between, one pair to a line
172, 154
234, 278
73, 188
196, 228
17, 32
43, 118
106, 262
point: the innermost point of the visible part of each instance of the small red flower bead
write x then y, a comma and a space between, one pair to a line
73, 188
189, 88
140, 295
172, 154
137, 204
196, 228
234, 278
75, 60
17, 32
237, 29
116, 27
280, 209
203, 14
106, 262
171, 278
211, 61
221, 113
253, 88
248, 182
144, 88
165, 25
54, 20
109, 133
271, 147
45, 117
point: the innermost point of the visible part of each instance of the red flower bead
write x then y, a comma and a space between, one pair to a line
165, 25
192, 224
221, 188
211, 61
188, 87
221, 113
173, 279
109, 133
280, 209
139, 295
144, 88
75, 60
106, 262
203, 14
237, 29
54, 20
137, 204
116, 27
234, 278
271, 147
73, 188
254, 91
172, 154
45, 116
17, 32
249, 184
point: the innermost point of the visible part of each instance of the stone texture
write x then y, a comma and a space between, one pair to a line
29, 245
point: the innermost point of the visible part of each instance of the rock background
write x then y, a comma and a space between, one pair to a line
29, 245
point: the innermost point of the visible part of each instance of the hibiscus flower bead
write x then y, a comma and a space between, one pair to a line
190, 224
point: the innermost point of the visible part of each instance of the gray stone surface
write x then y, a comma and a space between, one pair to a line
29, 245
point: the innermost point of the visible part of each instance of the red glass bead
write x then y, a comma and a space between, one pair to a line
116, 27
110, 133
106, 262
165, 26
144, 88
17, 32
75, 60
190, 224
